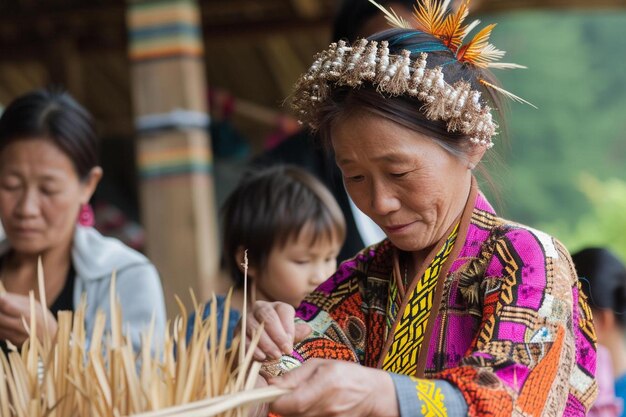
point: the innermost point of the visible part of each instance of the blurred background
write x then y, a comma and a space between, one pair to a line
150, 72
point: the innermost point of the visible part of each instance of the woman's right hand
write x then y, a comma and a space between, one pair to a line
15, 311
279, 330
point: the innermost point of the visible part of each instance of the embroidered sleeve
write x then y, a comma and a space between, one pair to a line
534, 353
424, 397
334, 313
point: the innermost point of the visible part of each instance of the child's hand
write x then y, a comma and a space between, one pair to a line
279, 330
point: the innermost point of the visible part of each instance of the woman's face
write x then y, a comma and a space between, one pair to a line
404, 181
40, 195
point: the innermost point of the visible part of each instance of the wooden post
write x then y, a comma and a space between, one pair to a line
174, 153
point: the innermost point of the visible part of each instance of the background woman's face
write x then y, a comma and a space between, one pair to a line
404, 181
40, 195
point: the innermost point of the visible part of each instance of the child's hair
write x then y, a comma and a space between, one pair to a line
271, 206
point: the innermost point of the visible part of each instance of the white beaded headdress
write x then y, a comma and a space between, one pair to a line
396, 74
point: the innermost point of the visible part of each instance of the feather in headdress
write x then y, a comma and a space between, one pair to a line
506, 93
393, 18
431, 16
479, 51
453, 30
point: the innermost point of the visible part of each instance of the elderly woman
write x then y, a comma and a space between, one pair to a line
48, 172
457, 312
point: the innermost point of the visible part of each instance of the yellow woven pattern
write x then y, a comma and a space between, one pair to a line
409, 333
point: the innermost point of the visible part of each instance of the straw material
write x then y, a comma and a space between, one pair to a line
102, 377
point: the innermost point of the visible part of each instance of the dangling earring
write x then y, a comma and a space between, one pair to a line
471, 166
86, 216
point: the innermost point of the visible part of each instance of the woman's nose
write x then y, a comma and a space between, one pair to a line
383, 201
29, 204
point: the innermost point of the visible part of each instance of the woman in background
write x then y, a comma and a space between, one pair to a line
603, 279
48, 172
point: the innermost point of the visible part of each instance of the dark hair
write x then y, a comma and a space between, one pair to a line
353, 14
271, 206
603, 280
56, 116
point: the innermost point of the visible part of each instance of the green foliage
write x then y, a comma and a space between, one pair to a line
604, 225
575, 76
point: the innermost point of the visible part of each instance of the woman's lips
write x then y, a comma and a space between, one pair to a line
397, 227
25, 231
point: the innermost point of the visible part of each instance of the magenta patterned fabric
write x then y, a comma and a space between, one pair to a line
508, 327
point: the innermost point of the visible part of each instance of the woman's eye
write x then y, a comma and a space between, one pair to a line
300, 261
399, 174
10, 186
49, 191
356, 178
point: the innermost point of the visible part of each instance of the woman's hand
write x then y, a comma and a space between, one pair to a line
323, 387
279, 329
12, 308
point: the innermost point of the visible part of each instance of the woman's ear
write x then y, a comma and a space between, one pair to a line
240, 258
475, 155
90, 183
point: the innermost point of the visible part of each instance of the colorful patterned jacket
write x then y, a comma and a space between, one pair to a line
508, 327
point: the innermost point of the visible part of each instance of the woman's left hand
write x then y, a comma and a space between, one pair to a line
12, 308
323, 387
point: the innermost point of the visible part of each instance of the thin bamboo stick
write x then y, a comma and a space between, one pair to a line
4, 393
43, 302
210, 407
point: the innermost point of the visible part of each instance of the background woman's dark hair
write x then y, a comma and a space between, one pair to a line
56, 116
271, 206
353, 14
603, 279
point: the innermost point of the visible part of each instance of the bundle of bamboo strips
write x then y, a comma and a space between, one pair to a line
104, 377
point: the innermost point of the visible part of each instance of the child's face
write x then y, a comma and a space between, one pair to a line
295, 270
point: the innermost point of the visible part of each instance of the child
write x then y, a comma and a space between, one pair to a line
292, 229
